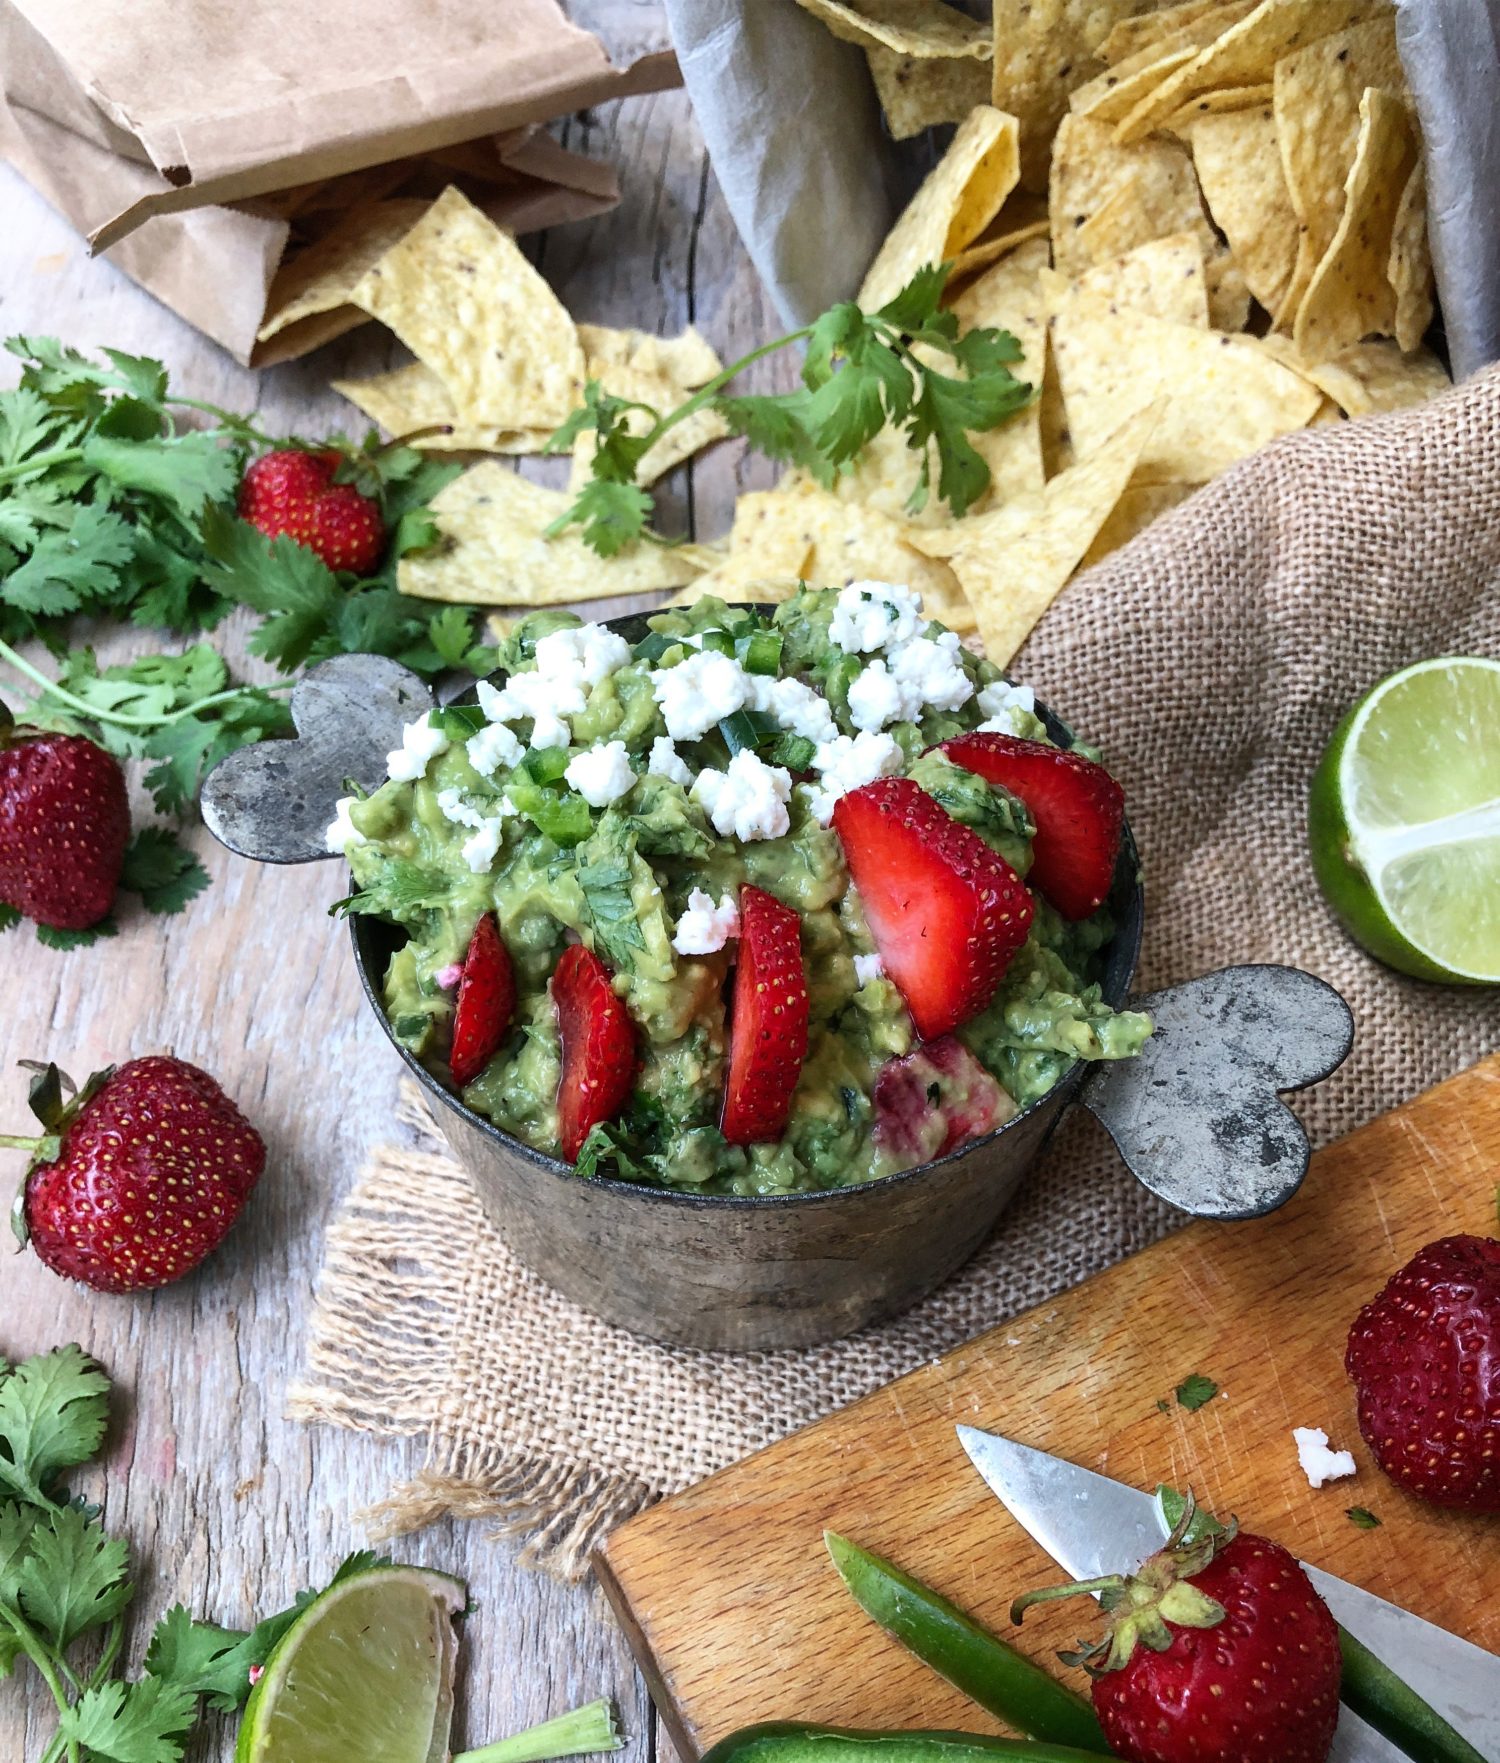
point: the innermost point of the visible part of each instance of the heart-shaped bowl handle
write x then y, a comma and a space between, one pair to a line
274, 801
1197, 1115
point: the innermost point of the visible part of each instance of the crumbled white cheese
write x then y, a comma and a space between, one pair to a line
875, 615
480, 847
602, 774
343, 834
420, 744
1319, 1464
665, 761
453, 808
495, 745
868, 967
846, 763
925, 674
704, 927
698, 692
1007, 709
795, 707
748, 801
875, 699
588, 654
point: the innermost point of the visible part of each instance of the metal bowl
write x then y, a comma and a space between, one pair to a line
1196, 1115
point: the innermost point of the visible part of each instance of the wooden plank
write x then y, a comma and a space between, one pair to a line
227, 1506
737, 1616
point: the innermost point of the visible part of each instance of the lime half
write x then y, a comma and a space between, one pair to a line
366, 1673
1404, 820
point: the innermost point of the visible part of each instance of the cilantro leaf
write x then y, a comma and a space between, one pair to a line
1362, 1518
53, 1412
144, 1722
206, 1660
70, 565
288, 584
53, 938
158, 869
185, 471
17, 1523
73, 1577
10, 916
1195, 1391
610, 513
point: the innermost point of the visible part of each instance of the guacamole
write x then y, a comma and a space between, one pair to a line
620, 795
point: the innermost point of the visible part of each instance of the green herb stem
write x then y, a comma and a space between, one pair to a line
1395, 1710
37, 1652
45, 1149
586, 1730
122, 718
40, 462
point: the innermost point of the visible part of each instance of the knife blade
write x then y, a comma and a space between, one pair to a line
1091, 1525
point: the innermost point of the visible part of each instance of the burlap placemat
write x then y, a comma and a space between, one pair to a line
1211, 658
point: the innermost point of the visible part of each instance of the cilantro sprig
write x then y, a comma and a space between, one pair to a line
905, 365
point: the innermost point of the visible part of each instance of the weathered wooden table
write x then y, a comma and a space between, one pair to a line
229, 1507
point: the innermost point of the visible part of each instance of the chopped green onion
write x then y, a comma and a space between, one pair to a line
564, 819
746, 728
545, 765
654, 646
458, 721
763, 652
720, 642
841, 676
795, 752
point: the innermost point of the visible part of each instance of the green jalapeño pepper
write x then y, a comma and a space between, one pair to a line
788, 1742
973, 1660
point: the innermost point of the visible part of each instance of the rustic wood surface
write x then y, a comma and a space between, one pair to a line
735, 1608
228, 1506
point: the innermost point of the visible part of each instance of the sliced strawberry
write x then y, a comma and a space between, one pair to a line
768, 1038
1078, 808
934, 1100
486, 1002
947, 913
598, 1047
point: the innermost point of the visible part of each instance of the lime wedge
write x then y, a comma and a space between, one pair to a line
1404, 820
365, 1672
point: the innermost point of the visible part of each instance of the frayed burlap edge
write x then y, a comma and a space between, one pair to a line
382, 1302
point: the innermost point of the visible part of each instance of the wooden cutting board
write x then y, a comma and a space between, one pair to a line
735, 1612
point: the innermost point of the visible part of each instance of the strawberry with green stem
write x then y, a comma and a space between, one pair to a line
1218, 1650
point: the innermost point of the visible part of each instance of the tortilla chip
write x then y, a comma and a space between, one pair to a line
413, 397
1138, 506
957, 201
460, 295
1316, 96
1107, 199
1044, 50
1223, 397
924, 29
1228, 292
1410, 268
725, 585
1052, 419
688, 359
1163, 277
1024, 217
840, 542
321, 278
493, 553
1245, 55
1238, 161
1116, 92
1147, 30
916, 92
1218, 103
1015, 562
1350, 295
1370, 377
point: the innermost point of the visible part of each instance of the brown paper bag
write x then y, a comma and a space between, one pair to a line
205, 149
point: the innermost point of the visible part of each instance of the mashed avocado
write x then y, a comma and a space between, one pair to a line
476, 819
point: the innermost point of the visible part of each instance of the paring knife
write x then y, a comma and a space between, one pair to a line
1093, 1526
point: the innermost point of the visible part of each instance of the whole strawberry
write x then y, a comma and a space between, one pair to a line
292, 491
1219, 1650
64, 825
139, 1178
1425, 1359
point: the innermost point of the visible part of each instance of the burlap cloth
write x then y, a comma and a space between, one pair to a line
1211, 658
